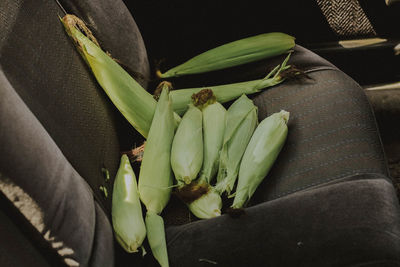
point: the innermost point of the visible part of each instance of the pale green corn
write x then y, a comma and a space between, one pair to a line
235, 53
156, 238
241, 120
207, 206
228, 92
261, 153
187, 147
126, 211
213, 134
155, 178
131, 99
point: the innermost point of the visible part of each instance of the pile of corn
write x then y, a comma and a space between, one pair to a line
210, 152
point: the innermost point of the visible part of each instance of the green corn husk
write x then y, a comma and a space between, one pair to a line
241, 120
127, 217
209, 203
131, 99
261, 153
156, 237
155, 178
201, 199
213, 132
207, 206
187, 147
227, 92
235, 53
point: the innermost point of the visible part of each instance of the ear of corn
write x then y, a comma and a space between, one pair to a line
155, 178
207, 206
228, 92
131, 99
213, 132
156, 238
235, 53
127, 217
241, 120
262, 151
206, 202
187, 147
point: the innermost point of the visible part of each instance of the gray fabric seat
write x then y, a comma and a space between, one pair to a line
328, 200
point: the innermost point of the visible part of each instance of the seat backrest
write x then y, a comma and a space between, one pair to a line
58, 129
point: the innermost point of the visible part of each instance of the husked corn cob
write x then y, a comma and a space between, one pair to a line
235, 53
131, 99
241, 120
227, 92
155, 178
187, 147
261, 153
126, 211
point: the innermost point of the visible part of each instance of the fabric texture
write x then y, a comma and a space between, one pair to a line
346, 18
326, 202
16, 249
44, 67
65, 209
352, 223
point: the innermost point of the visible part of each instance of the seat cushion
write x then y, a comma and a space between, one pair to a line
354, 223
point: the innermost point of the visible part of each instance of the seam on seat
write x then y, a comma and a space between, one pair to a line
329, 179
320, 68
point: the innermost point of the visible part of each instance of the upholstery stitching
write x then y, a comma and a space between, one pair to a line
359, 171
